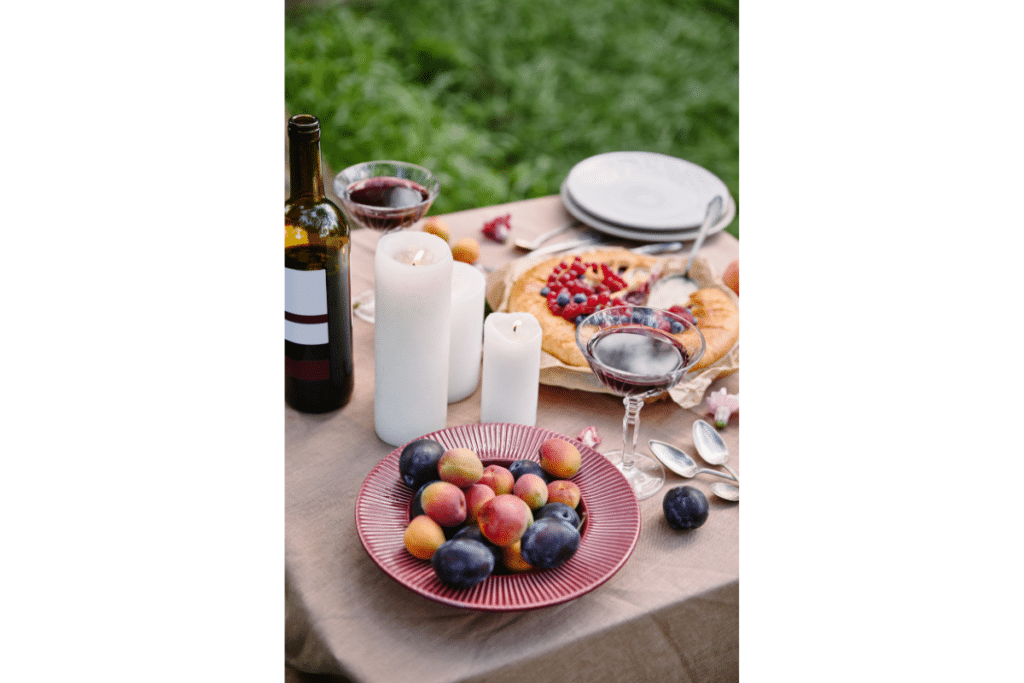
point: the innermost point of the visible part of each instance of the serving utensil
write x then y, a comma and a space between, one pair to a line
710, 446
726, 491
680, 462
530, 245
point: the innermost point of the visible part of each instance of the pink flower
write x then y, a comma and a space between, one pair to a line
498, 228
589, 437
722, 404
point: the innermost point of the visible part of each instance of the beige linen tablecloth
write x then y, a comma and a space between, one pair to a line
670, 614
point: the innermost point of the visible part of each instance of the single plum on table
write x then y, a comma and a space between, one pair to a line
685, 507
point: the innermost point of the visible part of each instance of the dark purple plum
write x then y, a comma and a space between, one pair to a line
526, 466
549, 543
417, 465
416, 506
471, 532
462, 563
685, 507
559, 511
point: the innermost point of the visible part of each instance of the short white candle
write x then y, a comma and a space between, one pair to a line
468, 285
413, 300
511, 369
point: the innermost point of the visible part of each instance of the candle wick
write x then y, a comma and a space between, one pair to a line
516, 324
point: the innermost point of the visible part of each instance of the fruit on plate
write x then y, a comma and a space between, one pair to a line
560, 459
499, 478
476, 496
423, 537
460, 466
559, 511
417, 464
731, 276
564, 491
532, 490
503, 519
549, 543
512, 558
444, 503
685, 507
462, 563
524, 465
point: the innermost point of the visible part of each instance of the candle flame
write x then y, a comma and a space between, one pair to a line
417, 257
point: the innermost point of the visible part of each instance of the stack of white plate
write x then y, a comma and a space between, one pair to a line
644, 196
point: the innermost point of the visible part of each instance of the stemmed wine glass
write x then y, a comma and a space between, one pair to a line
638, 352
385, 196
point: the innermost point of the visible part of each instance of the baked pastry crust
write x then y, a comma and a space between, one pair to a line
714, 312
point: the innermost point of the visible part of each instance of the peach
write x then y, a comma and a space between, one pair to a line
731, 276
498, 478
559, 458
476, 496
512, 558
423, 536
460, 466
562, 491
503, 519
445, 503
532, 489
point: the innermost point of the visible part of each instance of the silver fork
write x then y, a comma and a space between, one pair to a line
530, 245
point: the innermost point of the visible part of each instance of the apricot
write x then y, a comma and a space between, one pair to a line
460, 466
503, 519
532, 490
563, 491
559, 458
498, 478
423, 536
731, 276
512, 558
466, 250
436, 226
476, 496
445, 503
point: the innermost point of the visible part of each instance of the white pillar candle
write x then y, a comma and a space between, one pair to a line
468, 286
511, 373
413, 300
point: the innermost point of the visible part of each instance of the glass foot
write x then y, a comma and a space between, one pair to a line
363, 306
646, 476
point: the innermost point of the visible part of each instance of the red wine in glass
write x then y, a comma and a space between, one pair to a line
637, 361
386, 203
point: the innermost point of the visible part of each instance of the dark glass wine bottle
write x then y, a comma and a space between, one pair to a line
318, 373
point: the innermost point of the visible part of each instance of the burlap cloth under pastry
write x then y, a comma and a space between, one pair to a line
553, 372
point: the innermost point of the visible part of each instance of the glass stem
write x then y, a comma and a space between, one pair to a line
630, 429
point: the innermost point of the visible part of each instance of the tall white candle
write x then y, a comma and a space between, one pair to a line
511, 369
413, 300
468, 286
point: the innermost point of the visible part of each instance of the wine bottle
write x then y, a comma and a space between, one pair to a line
318, 373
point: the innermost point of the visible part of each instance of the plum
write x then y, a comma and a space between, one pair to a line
471, 532
524, 466
417, 465
559, 511
462, 563
548, 543
685, 507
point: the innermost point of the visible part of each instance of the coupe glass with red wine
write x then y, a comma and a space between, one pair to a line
384, 196
638, 352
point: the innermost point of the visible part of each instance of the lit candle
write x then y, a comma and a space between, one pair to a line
413, 301
468, 286
511, 372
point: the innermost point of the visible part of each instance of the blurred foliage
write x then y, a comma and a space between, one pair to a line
501, 98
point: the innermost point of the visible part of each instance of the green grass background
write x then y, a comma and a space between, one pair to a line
501, 98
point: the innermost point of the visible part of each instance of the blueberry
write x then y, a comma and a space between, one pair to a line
563, 298
580, 298
558, 511
548, 543
685, 507
545, 291
462, 563
676, 326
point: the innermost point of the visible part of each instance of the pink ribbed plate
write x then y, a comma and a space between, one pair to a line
609, 533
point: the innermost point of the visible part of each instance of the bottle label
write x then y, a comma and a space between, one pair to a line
305, 324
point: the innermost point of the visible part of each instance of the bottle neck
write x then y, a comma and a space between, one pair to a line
304, 158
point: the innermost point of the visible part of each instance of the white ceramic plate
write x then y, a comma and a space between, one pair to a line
644, 189
640, 234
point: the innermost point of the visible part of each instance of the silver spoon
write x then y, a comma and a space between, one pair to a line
726, 491
530, 245
681, 463
710, 445
676, 288
711, 217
